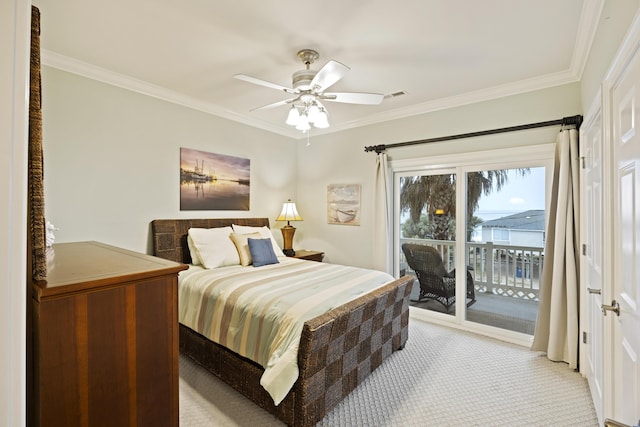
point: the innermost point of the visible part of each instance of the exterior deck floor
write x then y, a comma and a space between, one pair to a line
504, 312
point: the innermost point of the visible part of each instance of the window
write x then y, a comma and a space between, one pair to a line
500, 235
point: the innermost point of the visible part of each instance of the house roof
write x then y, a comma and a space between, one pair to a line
423, 55
527, 220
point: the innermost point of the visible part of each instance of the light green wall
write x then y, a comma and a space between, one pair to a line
340, 159
112, 160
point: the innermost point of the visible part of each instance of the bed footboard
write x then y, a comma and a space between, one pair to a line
338, 350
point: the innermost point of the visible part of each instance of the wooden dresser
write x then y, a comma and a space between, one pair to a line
105, 339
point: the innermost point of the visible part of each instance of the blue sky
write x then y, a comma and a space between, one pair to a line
519, 194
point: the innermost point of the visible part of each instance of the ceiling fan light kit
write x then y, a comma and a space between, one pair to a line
308, 88
303, 123
323, 119
293, 116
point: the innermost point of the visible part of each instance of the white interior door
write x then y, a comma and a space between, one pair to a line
625, 103
591, 151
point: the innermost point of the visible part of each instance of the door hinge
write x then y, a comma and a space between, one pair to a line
582, 162
584, 337
584, 249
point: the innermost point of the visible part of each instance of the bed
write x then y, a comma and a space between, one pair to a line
337, 349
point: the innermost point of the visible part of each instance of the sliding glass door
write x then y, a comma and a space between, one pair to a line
428, 238
505, 245
486, 220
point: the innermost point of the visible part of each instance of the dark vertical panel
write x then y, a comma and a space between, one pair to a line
156, 364
58, 391
107, 358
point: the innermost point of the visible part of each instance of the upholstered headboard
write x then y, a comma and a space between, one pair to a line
169, 236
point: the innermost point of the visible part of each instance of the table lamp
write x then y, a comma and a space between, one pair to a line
289, 213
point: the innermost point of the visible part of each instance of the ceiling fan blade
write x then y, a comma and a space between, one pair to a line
275, 104
264, 83
354, 97
328, 75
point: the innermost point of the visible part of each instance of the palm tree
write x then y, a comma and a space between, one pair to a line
435, 196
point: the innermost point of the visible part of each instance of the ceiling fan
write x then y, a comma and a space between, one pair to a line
308, 90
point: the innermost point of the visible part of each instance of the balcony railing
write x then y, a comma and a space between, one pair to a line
512, 271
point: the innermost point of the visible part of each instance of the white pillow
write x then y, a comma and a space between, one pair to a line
242, 245
195, 259
265, 233
214, 246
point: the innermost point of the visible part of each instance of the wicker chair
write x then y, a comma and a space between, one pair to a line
435, 282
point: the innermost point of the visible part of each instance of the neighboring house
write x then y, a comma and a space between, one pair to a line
520, 229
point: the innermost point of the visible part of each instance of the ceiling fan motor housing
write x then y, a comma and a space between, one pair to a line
302, 79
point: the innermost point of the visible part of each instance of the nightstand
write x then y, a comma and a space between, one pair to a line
309, 255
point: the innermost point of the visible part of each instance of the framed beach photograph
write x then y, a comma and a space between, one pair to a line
210, 181
343, 204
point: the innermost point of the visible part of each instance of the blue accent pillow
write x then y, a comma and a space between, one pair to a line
262, 252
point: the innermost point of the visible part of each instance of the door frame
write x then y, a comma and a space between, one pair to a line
594, 118
15, 31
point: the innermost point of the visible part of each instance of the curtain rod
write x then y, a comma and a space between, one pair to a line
573, 120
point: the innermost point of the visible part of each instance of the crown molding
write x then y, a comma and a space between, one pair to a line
587, 27
588, 23
629, 45
483, 95
84, 69
590, 16
71, 65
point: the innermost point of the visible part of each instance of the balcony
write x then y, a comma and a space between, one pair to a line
506, 280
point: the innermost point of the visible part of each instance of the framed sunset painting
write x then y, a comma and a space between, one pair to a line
210, 181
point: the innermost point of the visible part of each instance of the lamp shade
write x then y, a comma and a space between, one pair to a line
289, 212
293, 116
303, 123
302, 116
321, 120
313, 112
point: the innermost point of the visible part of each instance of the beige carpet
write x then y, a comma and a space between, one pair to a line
443, 377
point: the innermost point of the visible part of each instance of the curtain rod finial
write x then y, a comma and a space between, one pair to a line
377, 148
573, 120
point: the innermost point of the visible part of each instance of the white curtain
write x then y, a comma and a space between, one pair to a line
557, 329
382, 229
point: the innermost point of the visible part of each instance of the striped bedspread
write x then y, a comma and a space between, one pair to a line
259, 312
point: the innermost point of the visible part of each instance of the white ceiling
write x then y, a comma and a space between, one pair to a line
441, 52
